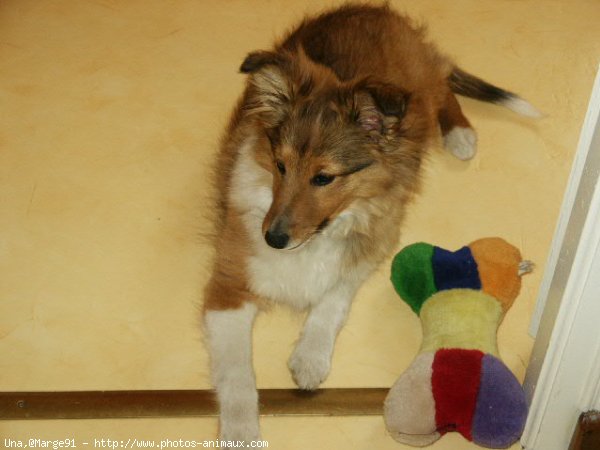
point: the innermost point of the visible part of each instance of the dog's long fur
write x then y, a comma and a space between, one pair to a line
317, 165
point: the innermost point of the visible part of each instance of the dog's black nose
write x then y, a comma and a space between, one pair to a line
277, 240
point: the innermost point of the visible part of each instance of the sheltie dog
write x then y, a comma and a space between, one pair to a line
316, 167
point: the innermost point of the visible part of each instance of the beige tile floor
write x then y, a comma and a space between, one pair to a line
110, 112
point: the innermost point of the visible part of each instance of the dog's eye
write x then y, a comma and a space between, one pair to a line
280, 167
321, 179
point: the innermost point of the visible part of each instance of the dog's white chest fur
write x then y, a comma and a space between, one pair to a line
297, 277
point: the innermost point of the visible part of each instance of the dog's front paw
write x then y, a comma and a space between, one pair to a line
238, 419
309, 367
240, 429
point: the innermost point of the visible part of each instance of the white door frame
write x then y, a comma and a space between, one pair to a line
563, 376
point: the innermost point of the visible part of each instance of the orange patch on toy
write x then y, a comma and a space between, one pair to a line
498, 266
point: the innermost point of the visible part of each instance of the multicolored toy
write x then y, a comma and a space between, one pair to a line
458, 382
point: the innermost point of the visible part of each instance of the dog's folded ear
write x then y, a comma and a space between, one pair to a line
379, 106
257, 60
271, 90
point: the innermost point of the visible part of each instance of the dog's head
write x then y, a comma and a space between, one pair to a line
328, 143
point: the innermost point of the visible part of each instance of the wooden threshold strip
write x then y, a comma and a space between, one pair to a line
181, 403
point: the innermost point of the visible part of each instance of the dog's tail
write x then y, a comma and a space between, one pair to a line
464, 83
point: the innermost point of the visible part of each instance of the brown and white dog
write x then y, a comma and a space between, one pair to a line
316, 167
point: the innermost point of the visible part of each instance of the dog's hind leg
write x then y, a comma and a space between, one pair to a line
229, 335
459, 137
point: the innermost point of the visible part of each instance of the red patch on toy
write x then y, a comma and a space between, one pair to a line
455, 384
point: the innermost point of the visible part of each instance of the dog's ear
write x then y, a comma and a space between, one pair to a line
379, 106
271, 88
259, 59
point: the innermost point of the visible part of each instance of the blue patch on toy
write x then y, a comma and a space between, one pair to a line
455, 270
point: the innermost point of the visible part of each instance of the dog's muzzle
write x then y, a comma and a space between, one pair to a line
277, 236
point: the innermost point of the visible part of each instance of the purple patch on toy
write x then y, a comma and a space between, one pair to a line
501, 408
453, 270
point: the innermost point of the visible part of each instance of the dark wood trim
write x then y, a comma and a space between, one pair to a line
130, 404
587, 432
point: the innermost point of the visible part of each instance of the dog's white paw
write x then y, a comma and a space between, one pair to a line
462, 142
238, 419
239, 429
309, 366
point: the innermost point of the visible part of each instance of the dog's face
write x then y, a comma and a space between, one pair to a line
324, 142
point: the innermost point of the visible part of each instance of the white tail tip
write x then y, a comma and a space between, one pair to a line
520, 106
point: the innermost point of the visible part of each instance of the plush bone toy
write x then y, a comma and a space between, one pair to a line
457, 382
